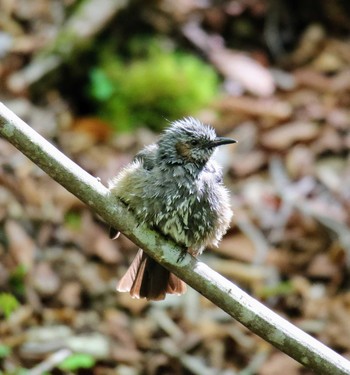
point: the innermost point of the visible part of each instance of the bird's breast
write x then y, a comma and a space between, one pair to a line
184, 210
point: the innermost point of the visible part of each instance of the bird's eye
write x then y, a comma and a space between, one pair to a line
194, 142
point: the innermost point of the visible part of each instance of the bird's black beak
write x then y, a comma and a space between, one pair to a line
219, 141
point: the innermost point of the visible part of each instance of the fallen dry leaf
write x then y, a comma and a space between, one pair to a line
20, 244
300, 161
238, 247
45, 280
280, 362
260, 107
236, 66
249, 163
322, 266
70, 294
282, 137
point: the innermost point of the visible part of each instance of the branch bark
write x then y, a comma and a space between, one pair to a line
226, 295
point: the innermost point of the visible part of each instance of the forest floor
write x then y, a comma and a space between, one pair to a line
289, 177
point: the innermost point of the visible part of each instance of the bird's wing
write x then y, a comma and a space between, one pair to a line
147, 156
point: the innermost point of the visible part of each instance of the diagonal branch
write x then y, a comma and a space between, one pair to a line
255, 316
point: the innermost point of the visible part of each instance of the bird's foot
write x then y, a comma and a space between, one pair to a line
181, 256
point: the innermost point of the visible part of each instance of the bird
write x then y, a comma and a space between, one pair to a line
175, 187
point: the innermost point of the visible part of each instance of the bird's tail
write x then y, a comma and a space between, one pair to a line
145, 278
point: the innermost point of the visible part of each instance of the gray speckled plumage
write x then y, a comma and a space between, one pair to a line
175, 187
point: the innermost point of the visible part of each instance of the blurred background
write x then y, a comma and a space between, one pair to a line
100, 79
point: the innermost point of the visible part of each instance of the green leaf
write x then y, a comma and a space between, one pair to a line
8, 304
5, 351
17, 279
77, 361
284, 288
101, 87
73, 220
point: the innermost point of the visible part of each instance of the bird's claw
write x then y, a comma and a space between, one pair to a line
181, 256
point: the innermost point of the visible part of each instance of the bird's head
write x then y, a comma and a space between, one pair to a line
188, 141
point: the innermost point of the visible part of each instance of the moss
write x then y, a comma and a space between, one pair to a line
154, 86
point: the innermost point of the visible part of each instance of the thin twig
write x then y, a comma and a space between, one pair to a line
255, 316
50, 363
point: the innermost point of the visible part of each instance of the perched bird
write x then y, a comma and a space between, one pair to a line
176, 188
